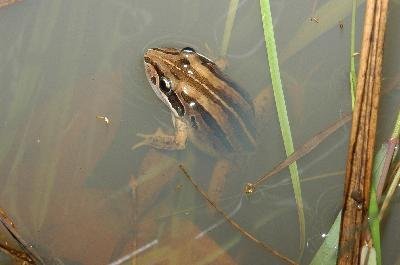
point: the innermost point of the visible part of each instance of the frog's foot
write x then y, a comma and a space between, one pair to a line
161, 140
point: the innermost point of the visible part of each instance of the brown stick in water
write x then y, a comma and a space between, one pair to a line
234, 224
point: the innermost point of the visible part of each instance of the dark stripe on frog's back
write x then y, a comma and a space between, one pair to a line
229, 133
223, 145
212, 67
241, 116
240, 101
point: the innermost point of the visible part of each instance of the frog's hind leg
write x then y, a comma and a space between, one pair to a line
161, 140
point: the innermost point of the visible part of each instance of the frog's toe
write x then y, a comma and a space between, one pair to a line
160, 140
146, 140
136, 146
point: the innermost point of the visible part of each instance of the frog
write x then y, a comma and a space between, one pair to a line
207, 107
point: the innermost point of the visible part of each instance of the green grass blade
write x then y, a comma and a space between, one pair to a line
327, 253
373, 212
281, 109
396, 130
389, 194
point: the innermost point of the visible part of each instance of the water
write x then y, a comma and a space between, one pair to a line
80, 195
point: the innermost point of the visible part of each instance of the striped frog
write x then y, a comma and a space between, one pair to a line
207, 108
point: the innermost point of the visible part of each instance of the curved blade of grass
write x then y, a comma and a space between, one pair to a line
230, 19
390, 193
396, 130
392, 188
282, 113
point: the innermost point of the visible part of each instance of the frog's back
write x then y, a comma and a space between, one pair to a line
221, 113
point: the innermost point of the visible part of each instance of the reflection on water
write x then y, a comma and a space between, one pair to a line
75, 189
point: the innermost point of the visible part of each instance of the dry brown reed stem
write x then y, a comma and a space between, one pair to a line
29, 254
241, 230
20, 257
362, 138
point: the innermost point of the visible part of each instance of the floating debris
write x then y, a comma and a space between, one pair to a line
341, 25
249, 188
314, 19
104, 118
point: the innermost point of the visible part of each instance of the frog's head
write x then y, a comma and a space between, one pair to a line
164, 68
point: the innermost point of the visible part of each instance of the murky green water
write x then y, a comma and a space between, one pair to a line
79, 194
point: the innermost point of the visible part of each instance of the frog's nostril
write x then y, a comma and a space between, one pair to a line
153, 80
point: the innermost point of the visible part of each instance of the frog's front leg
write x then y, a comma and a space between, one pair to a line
161, 140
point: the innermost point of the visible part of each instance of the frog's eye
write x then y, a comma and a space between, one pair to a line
165, 85
188, 50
